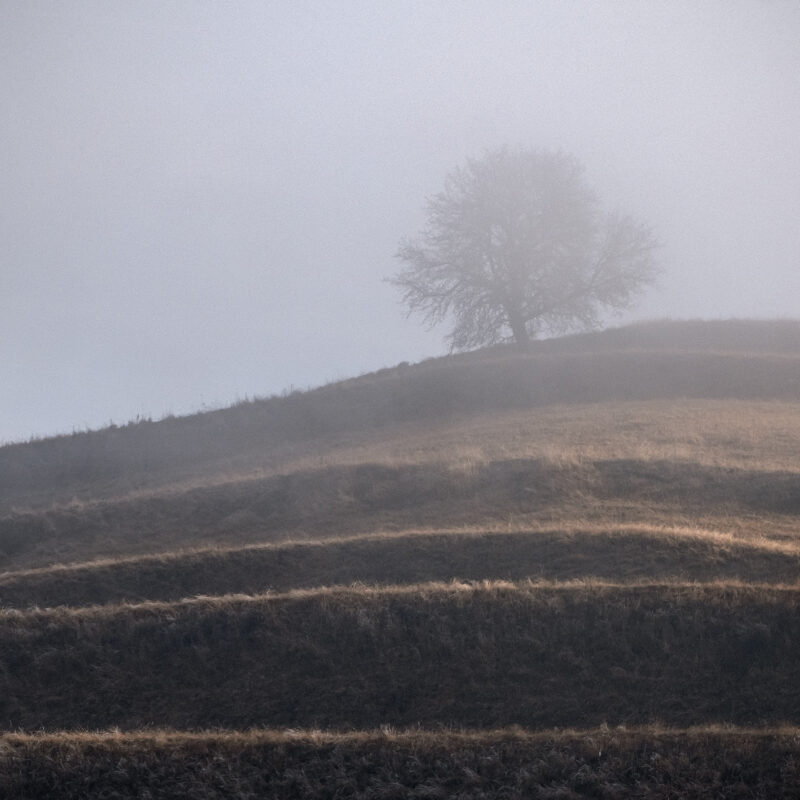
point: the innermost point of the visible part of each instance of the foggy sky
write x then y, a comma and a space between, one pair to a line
200, 201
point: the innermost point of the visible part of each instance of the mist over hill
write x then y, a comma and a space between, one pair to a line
698, 359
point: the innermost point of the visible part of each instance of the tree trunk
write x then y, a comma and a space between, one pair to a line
519, 329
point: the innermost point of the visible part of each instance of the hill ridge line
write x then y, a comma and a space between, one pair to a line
386, 733
417, 590
620, 530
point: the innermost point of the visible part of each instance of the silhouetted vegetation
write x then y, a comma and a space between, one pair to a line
515, 245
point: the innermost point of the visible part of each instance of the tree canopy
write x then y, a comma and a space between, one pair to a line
516, 245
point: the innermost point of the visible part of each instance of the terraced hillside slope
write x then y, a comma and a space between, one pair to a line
567, 572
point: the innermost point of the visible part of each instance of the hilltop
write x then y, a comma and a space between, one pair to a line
566, 572
736, 359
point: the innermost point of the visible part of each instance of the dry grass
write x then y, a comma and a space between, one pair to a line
624, 553
603, 531
719, 433
740, 434
604, 735
346, 500
651, 762
483, 655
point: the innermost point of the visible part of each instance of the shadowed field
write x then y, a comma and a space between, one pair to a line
600, 535
485, 655
644, 763
624, 553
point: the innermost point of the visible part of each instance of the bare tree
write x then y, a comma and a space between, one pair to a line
516, 245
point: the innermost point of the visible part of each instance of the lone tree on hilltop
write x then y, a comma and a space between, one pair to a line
516, 245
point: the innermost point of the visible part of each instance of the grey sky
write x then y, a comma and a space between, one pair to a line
200, 200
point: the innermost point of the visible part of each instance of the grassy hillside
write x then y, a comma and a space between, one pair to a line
668, 462
598, 535
625, 553
643, 763
477, 656
734, 360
